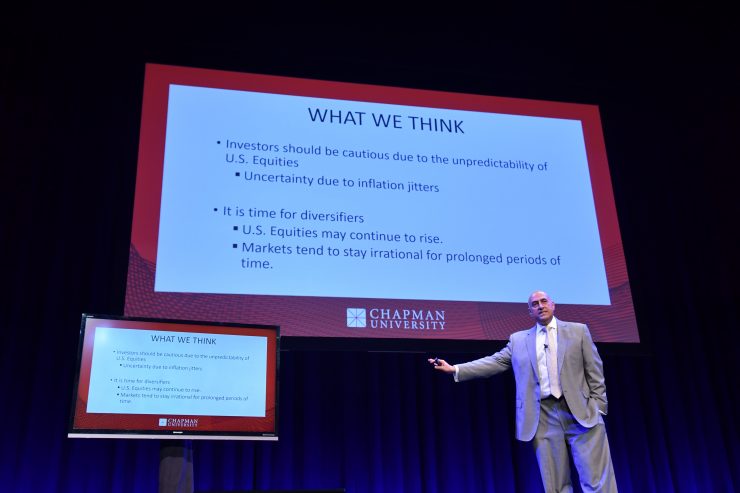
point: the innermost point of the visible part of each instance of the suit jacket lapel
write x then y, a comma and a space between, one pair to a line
563, 341
532, 349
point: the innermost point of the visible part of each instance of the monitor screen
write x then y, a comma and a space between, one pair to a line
148, 378
355, 211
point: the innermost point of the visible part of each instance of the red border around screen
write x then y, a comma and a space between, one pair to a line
299, 316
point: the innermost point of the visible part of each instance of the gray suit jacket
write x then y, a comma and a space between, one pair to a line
579, 366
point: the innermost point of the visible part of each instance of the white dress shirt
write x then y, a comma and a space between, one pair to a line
541, 350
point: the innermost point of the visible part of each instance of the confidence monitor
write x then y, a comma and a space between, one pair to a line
370, 213
151, 378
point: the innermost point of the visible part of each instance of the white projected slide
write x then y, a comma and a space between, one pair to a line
272, 194
160, 372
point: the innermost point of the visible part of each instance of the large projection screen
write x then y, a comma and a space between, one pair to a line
339, 210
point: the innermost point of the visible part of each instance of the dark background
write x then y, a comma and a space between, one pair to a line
666, 83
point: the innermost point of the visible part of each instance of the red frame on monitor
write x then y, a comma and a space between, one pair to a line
172, 425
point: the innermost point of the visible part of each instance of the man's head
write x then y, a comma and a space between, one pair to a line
541, 307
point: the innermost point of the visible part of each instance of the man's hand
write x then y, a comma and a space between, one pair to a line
441, 365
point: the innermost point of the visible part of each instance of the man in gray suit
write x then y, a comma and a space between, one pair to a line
560, 397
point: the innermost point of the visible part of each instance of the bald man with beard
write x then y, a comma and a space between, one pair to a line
560, 396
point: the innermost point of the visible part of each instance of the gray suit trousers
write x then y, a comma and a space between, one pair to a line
556, 432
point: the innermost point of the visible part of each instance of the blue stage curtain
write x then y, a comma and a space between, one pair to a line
379, 422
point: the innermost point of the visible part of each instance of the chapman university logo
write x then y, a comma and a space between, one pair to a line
356, 317
179, 422
391, 318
